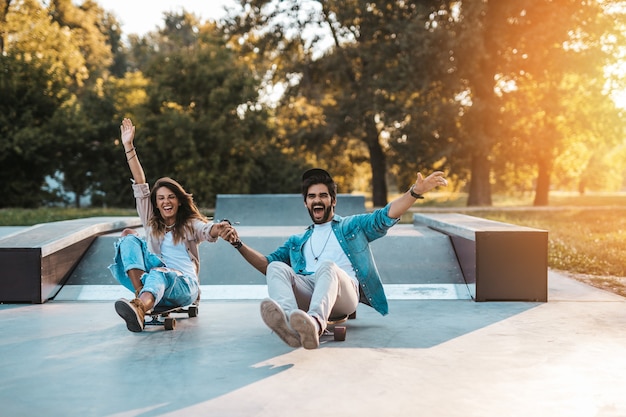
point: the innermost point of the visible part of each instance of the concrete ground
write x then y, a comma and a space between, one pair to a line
448, 358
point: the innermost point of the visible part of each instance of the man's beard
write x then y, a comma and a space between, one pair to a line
325, 218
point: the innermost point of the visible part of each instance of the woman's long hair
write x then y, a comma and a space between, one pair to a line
187, 211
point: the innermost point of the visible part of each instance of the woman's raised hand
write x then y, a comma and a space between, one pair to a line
128, 133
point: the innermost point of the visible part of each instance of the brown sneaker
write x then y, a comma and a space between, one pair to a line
132, 312
307, 328
275, 318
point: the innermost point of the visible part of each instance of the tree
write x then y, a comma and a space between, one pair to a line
202, 120
32, 87
357, 62
88, 28
26, 142
528, 52
66, 47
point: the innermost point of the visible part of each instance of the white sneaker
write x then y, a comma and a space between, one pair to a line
275, 318
307, 328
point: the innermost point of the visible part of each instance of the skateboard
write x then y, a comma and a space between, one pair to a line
336, 329
160, 316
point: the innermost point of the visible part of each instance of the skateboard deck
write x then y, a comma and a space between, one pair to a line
161, 316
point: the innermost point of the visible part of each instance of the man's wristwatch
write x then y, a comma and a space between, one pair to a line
238, 244
413, 194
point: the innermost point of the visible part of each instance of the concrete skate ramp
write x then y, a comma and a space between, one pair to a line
414, 262
439, 256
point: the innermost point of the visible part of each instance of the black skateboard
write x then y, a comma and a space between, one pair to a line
161, 316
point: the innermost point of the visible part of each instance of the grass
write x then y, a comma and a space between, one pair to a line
30, 217
586, 234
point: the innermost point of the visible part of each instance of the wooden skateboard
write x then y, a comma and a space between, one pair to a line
160, 316
336, 329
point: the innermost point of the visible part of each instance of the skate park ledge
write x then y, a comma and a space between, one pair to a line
37, 260
499, 261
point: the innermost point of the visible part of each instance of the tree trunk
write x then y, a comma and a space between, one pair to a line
542, 190
378, 163
480, 187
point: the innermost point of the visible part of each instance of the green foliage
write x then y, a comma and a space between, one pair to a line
88, 32
535, 76
53, 113
197, 108
202, 123
505, 96
27, 103
85, 152
365, 98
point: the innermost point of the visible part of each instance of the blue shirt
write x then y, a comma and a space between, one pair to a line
354, 234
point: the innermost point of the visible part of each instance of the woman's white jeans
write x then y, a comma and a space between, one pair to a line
330, 292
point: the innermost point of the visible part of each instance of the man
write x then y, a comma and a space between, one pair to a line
327, 270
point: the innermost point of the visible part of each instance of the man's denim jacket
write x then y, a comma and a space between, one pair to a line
354, 234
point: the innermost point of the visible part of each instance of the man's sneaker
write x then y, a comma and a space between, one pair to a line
132, 312
307, 328
275, 318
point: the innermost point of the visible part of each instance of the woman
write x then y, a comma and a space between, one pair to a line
161, 269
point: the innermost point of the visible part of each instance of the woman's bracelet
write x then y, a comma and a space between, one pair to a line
134, 155
130, 150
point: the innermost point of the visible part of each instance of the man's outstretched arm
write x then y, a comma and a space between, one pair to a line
422, 185
252, 256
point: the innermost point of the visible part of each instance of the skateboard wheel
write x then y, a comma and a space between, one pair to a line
339, 333
170, 323
193, 311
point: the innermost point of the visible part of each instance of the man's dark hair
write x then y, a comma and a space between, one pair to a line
318, 176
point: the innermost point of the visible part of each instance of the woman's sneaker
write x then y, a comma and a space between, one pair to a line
132, 312
275, 318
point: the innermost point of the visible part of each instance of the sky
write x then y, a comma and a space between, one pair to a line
141, 16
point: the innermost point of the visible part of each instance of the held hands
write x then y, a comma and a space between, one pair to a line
227, 232
423, 185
